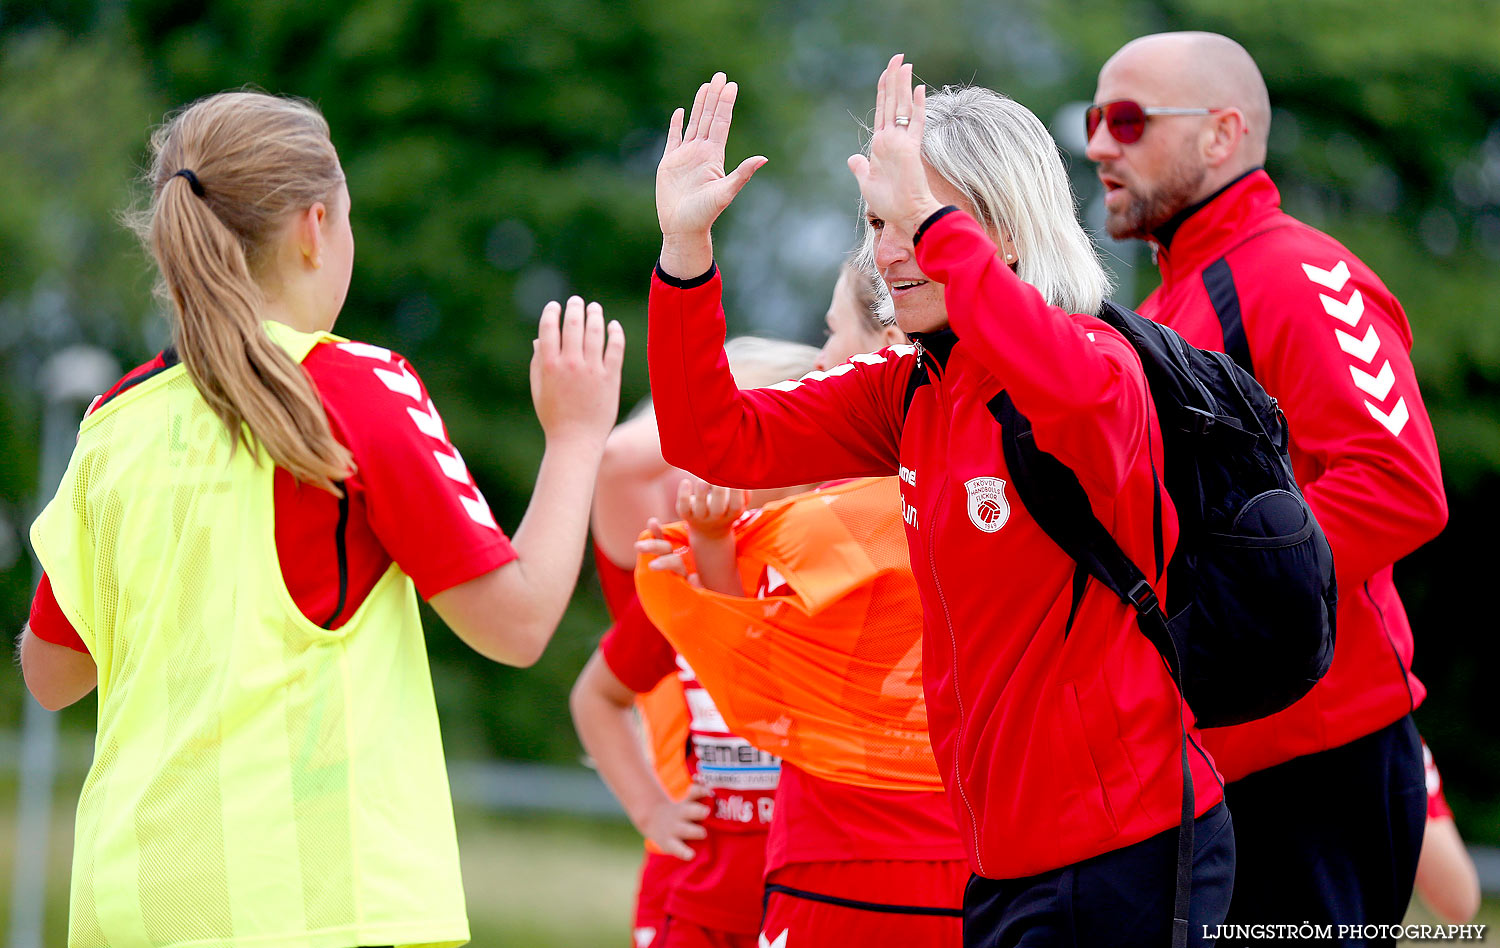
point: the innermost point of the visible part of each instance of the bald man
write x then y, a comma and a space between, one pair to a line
1327, 796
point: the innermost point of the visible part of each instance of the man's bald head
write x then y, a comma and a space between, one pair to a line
1203, 69
1182, 156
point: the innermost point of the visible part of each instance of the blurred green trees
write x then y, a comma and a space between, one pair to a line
501, 154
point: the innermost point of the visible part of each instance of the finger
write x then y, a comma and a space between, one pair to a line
653, 526
879, 122
903, 92
694, 581
692, 831
697, 791
572, 328
676, 847
710, 103
653, 547
718, 130
614, 349
718, 501
700, 499
740, 176
674, 132
547, 335
672, 563
684, 498
696, 118
696, 811
742, 502
919, 111
593, 334
859, 165
893, 89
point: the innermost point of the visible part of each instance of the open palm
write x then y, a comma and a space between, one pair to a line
692, 188
892, 178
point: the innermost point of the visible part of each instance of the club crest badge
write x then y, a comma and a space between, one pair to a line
988, 508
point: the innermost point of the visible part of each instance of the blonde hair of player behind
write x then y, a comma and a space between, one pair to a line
756, 362
258, 159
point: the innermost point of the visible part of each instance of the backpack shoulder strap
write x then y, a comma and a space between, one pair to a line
1060, 506
1218, 280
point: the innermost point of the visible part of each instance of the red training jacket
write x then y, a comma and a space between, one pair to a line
1055, 744
1331, 344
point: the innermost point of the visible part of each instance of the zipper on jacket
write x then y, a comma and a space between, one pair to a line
937, 584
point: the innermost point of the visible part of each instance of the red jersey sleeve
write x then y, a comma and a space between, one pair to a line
1332, 345
47, 621
1077, 380
845, 422
421, 502
637, 654
1437, 804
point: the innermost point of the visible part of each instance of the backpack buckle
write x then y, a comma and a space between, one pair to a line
1143, 597
1199, 422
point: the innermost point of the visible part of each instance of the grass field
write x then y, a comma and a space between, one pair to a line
539, 882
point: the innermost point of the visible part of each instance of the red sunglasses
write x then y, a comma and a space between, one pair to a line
1126, 118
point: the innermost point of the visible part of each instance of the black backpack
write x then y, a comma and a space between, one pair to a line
1248, 626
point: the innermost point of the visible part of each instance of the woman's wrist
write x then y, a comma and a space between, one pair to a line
686, 256
919, 213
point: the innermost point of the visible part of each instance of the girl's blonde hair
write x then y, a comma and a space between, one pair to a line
256, 160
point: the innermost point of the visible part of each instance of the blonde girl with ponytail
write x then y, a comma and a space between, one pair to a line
234, 557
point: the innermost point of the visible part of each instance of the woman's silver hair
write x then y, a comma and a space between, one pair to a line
999, 156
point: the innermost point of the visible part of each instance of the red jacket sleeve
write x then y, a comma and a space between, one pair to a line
47, 621
422, 504
1338, 362
636, 651
1077, 380
845, 422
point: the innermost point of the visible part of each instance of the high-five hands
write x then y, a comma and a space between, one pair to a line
575, 371
893, 179
692, 188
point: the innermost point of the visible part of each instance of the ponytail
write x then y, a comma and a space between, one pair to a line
228, 171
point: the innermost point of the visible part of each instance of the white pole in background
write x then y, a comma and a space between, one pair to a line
69, 380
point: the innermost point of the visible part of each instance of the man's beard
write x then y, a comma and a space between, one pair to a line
1149, 210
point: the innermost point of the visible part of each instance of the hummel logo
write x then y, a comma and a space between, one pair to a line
779, 942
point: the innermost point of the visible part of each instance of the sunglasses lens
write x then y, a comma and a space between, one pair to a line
1126, 120
1091, 121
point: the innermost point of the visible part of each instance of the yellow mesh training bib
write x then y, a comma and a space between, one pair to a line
257, 780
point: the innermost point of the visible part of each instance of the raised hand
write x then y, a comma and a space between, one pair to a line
893, 179
575, 371
692, 188
710, 512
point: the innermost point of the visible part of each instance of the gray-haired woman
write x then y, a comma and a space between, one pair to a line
1054, 720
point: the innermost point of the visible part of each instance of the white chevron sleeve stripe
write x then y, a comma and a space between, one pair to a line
405, 383
428, 421
452, 465
366, 351
1346, 313
1396, 420
1333, 279
1378, 385
1362, 349
478, 510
